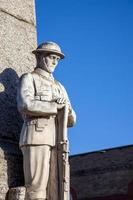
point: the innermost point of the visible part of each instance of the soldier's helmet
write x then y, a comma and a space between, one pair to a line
49, 47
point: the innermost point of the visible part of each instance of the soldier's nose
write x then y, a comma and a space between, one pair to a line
54, 62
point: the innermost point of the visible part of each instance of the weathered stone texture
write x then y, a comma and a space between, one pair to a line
16, 58
17, 40
20, 9
102, 173
11, 171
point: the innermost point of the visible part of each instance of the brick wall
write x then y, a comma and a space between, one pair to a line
103, 175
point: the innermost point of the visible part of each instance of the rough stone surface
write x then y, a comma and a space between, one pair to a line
103, 173
22, 10
11, 167
17, 40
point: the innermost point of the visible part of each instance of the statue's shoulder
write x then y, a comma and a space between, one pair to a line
26, 77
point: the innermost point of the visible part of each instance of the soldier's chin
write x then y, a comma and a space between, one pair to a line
51, 70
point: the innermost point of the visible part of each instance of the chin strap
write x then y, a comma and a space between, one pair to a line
46, 66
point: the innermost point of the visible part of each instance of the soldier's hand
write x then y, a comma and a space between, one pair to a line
61, 100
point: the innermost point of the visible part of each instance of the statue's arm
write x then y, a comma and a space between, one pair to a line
26, 99
72, 114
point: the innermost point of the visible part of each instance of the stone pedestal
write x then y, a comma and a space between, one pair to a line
17, 40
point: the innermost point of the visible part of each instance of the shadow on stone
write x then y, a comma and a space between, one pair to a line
10, 119
11, 164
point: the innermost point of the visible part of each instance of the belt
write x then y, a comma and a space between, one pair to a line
33, 120
43, 98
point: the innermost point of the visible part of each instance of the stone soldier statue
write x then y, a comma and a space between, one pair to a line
40, 99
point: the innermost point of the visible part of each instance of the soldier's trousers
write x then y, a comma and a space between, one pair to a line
36, 163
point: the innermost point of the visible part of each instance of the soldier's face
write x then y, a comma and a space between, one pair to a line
51, 62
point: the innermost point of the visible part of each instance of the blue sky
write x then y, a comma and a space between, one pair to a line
97, 39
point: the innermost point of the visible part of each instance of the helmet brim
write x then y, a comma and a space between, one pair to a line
45, 52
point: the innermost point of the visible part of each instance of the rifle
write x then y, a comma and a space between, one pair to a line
65, 184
